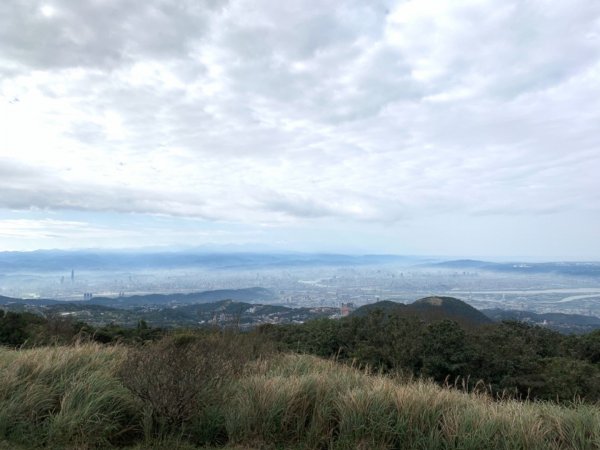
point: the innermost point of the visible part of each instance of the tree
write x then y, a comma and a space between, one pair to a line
445, 351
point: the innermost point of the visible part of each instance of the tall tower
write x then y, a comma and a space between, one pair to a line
72, 275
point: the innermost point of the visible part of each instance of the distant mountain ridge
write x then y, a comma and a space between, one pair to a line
591, 269
566, 323
61, 260
38, 301
430, 309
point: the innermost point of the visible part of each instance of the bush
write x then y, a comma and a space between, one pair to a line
14, 327
182, 380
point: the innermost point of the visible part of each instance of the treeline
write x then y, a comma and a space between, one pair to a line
25, 329
508, 358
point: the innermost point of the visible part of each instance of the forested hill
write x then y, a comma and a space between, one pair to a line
430, 309
245, 294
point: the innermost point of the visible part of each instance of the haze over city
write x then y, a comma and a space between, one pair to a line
459, 128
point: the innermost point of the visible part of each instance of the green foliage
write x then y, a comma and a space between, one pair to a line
15, 328
586, 347
566, 379
445, 352
31, 330
509, 358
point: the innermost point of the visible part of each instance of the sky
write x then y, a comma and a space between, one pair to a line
433, 127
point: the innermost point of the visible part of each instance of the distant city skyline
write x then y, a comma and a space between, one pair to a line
425, 127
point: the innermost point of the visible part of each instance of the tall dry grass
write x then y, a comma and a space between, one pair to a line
61, 397
73, 397
303, 401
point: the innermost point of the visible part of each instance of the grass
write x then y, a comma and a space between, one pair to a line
65, 396
72, 397
307, 402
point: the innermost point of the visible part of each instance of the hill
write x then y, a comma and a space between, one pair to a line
173, 311
386, 306
244, 294
430, 309
449, 308
38, 301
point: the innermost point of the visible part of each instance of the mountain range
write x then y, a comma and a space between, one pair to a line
589, 269
566, 323
61, 260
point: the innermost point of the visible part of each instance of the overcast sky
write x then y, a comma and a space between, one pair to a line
418, 127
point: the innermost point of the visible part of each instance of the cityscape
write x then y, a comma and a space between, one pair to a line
294, 293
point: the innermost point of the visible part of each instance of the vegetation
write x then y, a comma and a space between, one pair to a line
182, 380
85, 396
308, 402
31, 330
150, 388
429, 309
65, 396
510, 358
175, 313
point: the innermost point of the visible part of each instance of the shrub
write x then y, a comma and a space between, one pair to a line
182, 380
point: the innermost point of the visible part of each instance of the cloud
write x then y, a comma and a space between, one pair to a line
30, 233
262, 112
102, 34
30, 229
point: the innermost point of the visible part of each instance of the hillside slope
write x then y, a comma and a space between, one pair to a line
72, 397
430, 309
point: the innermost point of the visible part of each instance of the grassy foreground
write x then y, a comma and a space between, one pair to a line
76, 397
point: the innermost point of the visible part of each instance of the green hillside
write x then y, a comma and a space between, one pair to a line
375, 381
234, 392
430, 309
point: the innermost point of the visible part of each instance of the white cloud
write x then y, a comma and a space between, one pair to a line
261, 112
36, 229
